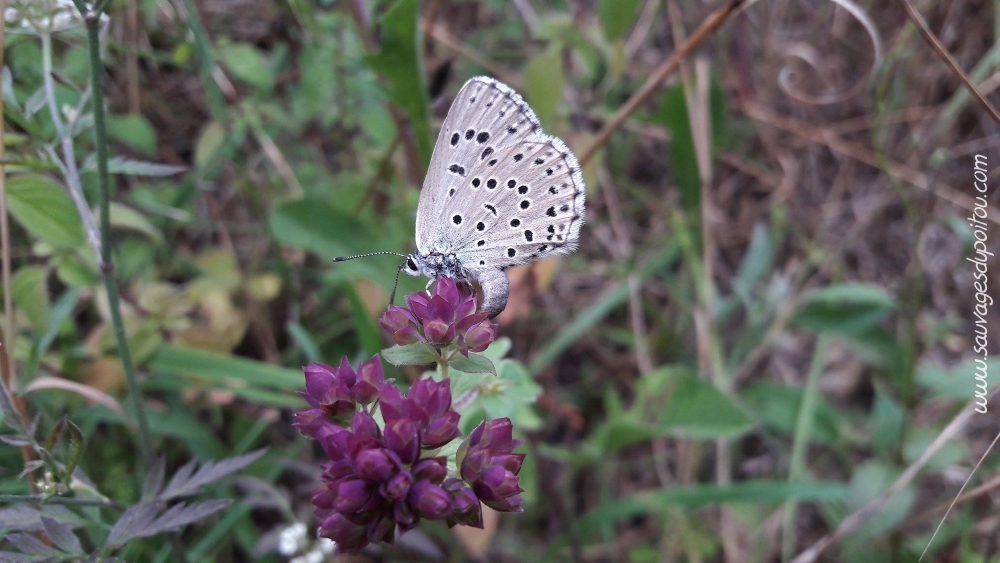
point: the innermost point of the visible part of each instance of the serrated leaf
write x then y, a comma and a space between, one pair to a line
30, 545
31, 295
181, 515
14, 557
188, 482
416, 354
45, 210
154, 479
20, 518
61, 535
141, 521
475, 363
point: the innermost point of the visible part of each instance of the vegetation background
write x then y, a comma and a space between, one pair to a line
761, 352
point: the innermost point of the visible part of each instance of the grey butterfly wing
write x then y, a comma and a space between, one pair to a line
485, 116
535, 207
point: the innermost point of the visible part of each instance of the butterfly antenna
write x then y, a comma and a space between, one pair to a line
392, 298
344, 258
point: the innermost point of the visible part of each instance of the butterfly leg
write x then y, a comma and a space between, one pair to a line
495, 288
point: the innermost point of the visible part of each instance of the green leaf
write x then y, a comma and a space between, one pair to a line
210, 142
44, 210
304, 341
416, 354
778, 405
683, 160
887, 420
133, 130
73, 272
31, 295
696, 409
475, 363
313, 224
847, 308
132, 167
123, 217
224, 370
247, 64
543, 86
867, 482
399, 61
617, 16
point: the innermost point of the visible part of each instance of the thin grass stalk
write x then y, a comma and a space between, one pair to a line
800, 442
93, 19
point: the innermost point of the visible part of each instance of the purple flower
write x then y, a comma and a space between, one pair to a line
487, 462
445, 316
375, 479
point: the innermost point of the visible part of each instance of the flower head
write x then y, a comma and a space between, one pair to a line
445, 316
487, 462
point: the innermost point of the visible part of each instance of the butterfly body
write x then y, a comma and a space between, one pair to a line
498, 193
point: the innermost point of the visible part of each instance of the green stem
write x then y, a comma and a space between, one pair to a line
93, 20
216, 99
43, 499
800, 442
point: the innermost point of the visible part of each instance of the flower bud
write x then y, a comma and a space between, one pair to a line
370, 377
440, 431
433, 469
352, 494
349, 536
401, 437
397, 486
429, 500
439, 332
375, 464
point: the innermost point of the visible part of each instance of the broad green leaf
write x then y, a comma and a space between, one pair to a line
313, 224
416, 354
696, 409
475, 363
543, 86
847, 308
31, 295
617, 16
133, 130
399, 61
45, 210
247, 64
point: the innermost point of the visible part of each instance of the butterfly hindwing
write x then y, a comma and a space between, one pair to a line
533, 209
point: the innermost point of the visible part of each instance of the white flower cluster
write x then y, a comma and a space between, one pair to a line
38, 17
293, 540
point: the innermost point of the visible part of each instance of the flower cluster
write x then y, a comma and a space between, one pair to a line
445, 316
377, 479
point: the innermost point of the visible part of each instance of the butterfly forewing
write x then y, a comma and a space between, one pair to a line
498, 192
485, 117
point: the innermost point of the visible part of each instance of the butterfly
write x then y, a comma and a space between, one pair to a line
498, 193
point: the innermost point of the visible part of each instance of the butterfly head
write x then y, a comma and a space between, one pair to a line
433, 265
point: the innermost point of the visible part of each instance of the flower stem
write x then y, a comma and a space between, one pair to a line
93, 19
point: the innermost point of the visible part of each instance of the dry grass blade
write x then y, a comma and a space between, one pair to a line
708, 27
918, 21
861, 154
855, 520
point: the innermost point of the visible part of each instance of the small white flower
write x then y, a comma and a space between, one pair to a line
292, 539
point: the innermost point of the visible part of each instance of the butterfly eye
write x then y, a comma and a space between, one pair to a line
411, 264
